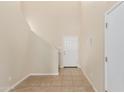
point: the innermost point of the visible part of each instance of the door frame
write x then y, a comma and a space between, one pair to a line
105, 42
77, 63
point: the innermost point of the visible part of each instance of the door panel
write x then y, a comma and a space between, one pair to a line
70, 51
115, 49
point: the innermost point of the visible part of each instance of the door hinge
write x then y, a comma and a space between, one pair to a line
106, 59
106, 25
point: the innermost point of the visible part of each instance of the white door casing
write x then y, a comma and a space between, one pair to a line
70, 57
114, 49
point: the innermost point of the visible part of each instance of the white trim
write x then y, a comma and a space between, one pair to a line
61, 66
43, 74
85, 74
3, 89
18, 82
31, 74
79, 66
105, 41
105, 54
114, 7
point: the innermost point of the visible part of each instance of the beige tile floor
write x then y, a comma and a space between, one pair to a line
69, 80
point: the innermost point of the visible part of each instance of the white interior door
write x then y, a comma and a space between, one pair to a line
115, 49
70, 57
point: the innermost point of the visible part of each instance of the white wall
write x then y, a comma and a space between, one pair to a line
53, 20
21, 50
92, 42
41, 56
13, 48
27, 50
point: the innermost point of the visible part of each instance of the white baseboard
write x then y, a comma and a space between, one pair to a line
18, 82
79, 66
42, 74
85, 74
31, 74
3, 89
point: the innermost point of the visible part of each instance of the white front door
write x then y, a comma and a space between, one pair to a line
115, 49
70, 57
